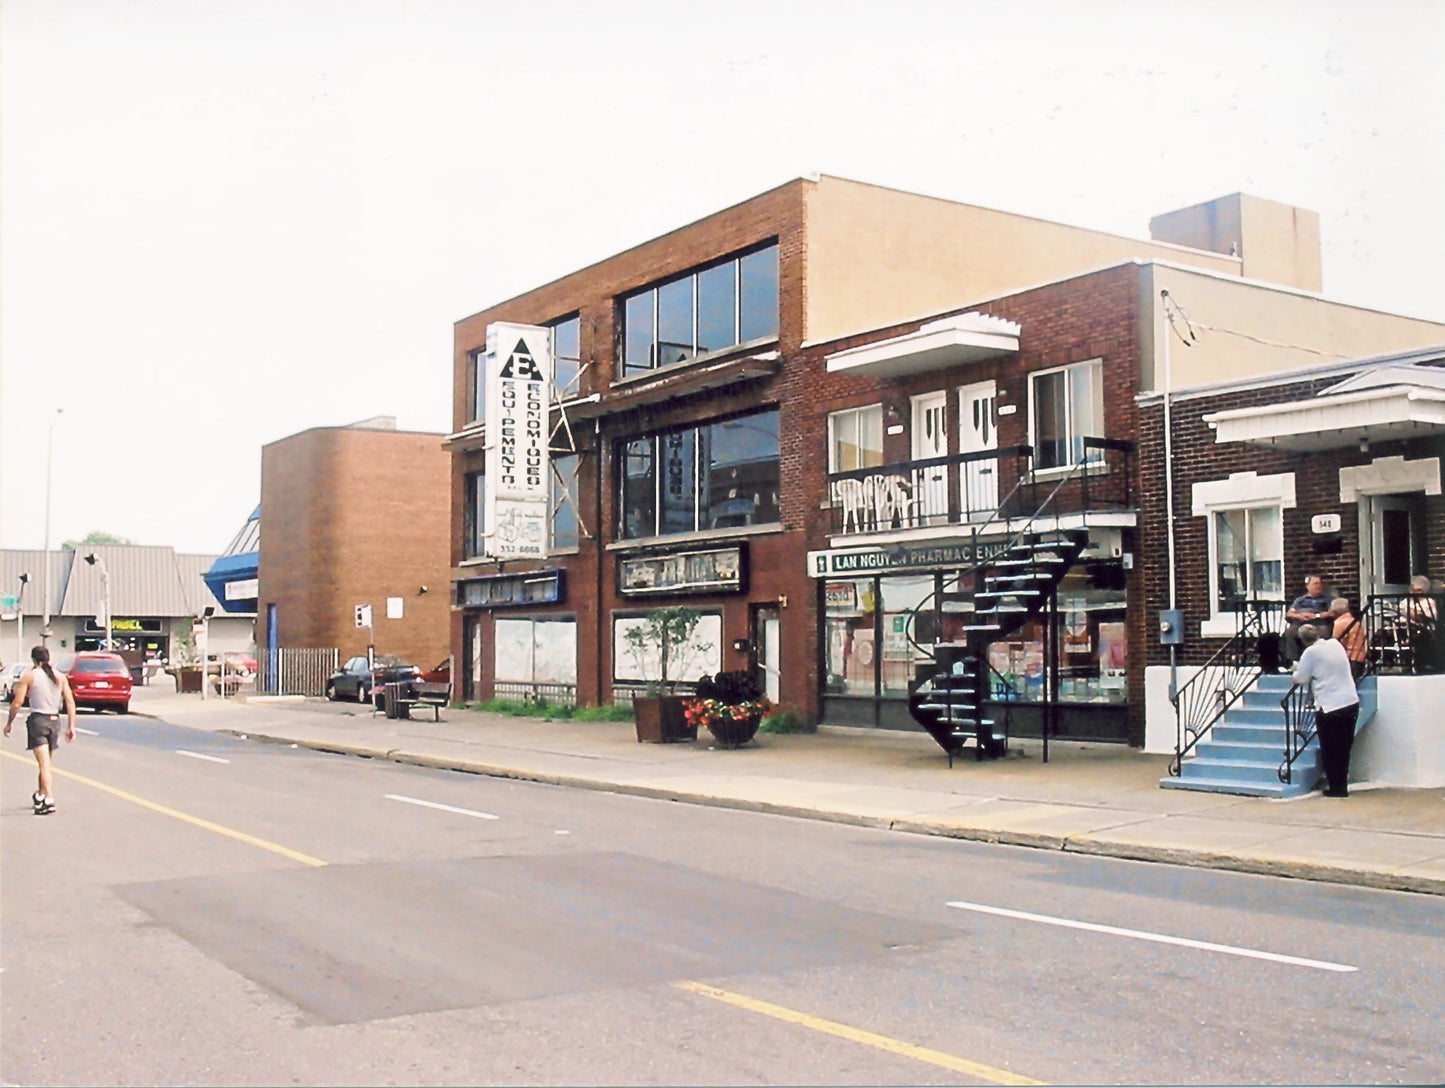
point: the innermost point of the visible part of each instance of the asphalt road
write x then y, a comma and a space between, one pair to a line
204, 909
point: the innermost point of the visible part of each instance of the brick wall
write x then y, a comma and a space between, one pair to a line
354, 516
1197, 458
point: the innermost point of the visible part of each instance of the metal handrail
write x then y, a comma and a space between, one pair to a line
998, 517
1220, 682
1298, 705
1403, 634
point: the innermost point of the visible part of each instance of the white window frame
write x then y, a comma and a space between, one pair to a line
1097, 364
1241, 491
853, 416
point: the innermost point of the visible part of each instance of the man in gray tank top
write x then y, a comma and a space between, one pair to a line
47, 691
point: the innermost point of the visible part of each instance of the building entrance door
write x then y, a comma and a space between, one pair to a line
930, 439
978, 432
471, 685
1392, 545
766, 641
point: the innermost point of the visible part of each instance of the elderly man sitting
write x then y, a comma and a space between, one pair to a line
1310, 608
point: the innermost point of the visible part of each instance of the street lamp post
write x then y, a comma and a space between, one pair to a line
95, 560
20, 619
49, 457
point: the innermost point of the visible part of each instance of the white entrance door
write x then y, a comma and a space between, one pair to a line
930, 439
978, 431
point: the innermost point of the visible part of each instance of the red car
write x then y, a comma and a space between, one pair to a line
100, 681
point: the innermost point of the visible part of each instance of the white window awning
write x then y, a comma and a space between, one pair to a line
1332, 421
966, 338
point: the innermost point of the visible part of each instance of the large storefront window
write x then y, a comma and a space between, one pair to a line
919, 610
536, 657
902, 597
848, 636
717, 476
710, 309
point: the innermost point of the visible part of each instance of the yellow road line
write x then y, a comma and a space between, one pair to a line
194, 821
857, 1035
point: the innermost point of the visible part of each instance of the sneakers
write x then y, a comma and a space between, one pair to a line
45, 806
38, 800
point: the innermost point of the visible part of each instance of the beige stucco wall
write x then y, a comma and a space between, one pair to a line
1246, 329
1277, 243
877, 256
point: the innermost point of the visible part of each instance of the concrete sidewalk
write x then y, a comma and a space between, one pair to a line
1097, 799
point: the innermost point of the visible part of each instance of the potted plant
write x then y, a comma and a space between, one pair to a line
663, 646
732, 707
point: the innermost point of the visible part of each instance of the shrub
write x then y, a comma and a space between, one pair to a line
784, 721
601, 714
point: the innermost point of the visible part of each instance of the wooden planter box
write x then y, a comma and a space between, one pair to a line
661, 719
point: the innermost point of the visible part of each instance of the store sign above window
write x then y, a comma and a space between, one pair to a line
716, 570
518, 495
513, 590
834, 562
96, 626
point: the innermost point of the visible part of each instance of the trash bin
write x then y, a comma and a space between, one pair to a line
392, 694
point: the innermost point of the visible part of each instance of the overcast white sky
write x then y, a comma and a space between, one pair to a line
226, 221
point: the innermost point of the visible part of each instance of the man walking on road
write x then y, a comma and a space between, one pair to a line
47, 691
1337, 704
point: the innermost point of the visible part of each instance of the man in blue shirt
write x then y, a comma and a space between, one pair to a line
1312, 607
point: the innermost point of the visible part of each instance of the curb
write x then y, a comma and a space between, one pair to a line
1198, 859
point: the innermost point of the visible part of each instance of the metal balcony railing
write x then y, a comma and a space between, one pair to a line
970, 489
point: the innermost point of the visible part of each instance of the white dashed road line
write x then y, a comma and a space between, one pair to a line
87, 732
198, 755
441, 808
1160, 938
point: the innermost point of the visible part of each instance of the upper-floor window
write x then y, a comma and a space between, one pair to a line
1066, 405
710, 309
473, 515
855, 438
567, 358
566, 367
565, 533
478, 404
714, 476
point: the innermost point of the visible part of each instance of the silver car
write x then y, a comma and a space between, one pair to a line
9, 677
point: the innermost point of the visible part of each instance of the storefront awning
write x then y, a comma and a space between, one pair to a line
966, 338
1331, 421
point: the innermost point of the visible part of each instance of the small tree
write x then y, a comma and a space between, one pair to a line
667, 632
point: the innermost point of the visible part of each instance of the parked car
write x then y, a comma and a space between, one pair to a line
99, 681
440, 673
362, 681
9, 677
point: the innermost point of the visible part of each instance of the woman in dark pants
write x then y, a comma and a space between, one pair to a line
1325, 664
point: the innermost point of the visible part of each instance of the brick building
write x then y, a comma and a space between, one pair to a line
1333, 470
733, 391
355, 515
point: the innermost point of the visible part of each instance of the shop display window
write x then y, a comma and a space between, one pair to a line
1093, 644
901, 600
849, 636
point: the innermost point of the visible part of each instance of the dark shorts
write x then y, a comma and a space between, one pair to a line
43, 729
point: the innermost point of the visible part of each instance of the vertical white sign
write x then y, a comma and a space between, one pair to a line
518, 515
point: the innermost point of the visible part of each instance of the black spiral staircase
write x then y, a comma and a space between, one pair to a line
950, 695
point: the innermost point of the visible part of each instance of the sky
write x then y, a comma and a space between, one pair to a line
226, 221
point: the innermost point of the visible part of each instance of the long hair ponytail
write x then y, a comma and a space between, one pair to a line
41, 656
